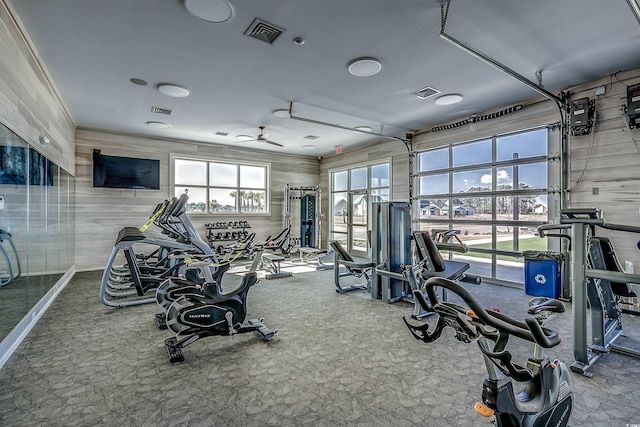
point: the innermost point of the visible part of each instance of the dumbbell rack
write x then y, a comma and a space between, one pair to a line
226, 231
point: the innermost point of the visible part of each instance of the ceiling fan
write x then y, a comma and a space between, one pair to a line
262, 137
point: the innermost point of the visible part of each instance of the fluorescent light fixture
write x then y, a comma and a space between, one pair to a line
363, 128
280, 113
449, 99
635, 8
215, 11
158, 125
364, 67
309, 147
172, 90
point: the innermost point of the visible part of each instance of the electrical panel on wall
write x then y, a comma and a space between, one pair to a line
581, 116
633, 106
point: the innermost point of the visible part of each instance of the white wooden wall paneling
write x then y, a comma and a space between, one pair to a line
29, 103
101, 212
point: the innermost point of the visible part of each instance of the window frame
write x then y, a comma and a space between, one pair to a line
348, 190
493, 194
208, 187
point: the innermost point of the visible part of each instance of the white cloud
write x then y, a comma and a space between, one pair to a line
502, 175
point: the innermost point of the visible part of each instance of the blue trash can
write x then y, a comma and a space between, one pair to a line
542, 273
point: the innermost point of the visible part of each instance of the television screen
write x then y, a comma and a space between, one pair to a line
125, 172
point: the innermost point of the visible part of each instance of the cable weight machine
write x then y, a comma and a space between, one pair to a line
303, 211
391, 251
596, 283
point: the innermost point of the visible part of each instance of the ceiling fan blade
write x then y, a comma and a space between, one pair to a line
272, 143
246, 140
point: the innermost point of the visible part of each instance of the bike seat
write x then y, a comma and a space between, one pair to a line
540, 304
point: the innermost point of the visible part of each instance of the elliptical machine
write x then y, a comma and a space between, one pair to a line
544, 396
215, 312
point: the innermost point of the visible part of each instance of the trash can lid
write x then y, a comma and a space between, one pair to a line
542, 255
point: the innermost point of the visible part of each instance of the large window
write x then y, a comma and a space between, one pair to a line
493, 192
221, 187
352, 192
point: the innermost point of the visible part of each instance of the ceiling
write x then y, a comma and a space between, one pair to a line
92, 49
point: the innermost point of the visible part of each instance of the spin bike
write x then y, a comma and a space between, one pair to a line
544, 395
214, 313
198, 271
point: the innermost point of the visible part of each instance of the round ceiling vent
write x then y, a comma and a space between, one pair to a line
364, 67
215, 11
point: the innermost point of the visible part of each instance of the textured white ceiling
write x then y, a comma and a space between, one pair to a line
93, 48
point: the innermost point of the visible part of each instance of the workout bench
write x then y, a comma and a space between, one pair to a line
271, 263
352, 267
308, 255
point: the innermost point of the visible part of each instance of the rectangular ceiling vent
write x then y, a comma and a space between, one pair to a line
311, 137
262, 30
222, 133
159, 110
426, 92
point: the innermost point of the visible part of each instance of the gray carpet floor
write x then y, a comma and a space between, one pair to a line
337, 360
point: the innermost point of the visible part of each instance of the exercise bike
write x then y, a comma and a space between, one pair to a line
214, 313
198, 272
544, 395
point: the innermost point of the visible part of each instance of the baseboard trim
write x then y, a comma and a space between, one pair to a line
22, 329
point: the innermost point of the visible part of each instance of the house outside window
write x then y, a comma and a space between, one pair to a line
494, 193
352, 192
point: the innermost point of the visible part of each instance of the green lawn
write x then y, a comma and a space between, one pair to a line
530, 244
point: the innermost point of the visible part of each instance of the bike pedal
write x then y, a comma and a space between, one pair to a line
483, 410
175, 358
175, 354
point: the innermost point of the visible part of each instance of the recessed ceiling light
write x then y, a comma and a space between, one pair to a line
173, 90
158, 125
281, 113
364, 67
363, 128
244, 137
138, 82
216, 11
448, 99
309, 147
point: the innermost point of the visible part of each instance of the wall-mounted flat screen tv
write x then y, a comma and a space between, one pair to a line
125, 172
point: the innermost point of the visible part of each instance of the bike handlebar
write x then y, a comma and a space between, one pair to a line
530, 330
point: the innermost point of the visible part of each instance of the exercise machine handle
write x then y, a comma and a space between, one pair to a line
534, 333
620, 227
542, 229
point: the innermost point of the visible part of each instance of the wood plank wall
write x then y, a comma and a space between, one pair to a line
611, 179
29, 103
534, 113
101, 212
